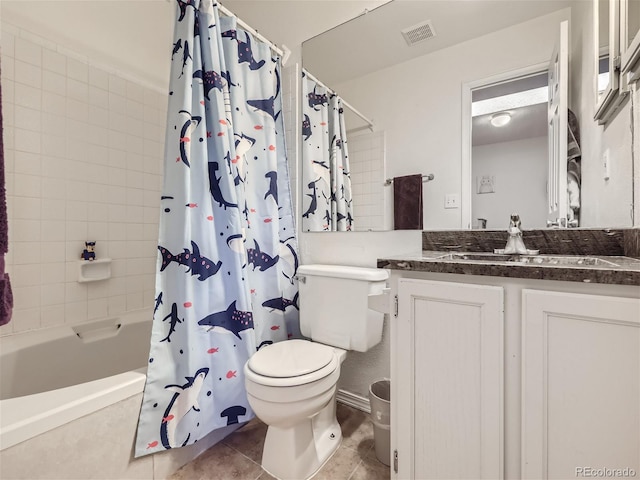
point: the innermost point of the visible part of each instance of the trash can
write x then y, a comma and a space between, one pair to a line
380, 401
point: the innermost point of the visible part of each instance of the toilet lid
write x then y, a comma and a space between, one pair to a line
291, 358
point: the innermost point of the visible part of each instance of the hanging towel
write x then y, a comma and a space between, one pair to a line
407, 202
6, 297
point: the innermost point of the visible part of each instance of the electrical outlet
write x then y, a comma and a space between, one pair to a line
606, 165
452, 200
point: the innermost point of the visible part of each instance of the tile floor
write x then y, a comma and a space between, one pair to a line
238, 456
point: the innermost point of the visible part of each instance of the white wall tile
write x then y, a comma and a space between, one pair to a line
54, 145
54, 124
27, 163
27, 207
27, 186
77, 90
25, 276
75, 292
117, 304
52, 275
97, 308
98, 78
54, 62
53, 103
55, 252
75, 312
8, 69
27, 140
53, 315
53, 188
98, 97
28, 51
52, 294
27, 96
81, 164
7, 40
28, 74
117, 85
77, 70
26, 319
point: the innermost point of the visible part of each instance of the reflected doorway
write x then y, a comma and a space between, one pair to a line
509, 152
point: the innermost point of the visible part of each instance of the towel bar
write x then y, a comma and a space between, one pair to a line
425, 178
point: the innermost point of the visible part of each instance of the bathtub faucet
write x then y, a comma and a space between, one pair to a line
515, 244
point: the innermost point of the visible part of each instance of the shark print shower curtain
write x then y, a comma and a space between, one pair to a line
227, 252
327, 202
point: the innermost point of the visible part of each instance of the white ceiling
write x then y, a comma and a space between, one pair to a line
374, 41
526, 122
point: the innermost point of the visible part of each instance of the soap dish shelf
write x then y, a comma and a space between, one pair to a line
94, 270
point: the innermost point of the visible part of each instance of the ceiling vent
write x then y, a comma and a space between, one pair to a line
419, 33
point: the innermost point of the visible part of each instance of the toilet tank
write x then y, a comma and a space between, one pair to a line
333, 305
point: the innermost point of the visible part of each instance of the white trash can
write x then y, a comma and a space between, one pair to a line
380, 401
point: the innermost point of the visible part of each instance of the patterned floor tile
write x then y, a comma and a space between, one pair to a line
239, 455
220, 462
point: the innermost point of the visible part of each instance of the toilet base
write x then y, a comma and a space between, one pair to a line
298, 452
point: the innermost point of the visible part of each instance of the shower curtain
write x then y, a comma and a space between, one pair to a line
327, 201
227, 252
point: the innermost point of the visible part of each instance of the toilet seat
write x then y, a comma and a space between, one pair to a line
291, 363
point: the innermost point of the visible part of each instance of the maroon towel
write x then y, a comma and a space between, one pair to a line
407, 202
6, 297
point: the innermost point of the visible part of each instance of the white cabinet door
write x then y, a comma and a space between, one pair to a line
581, 385
449, 370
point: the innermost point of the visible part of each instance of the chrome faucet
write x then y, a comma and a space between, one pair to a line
515, 244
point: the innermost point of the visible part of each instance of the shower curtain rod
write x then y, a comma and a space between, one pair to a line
284, 52
344, 102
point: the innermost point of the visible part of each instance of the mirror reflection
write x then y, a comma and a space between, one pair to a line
342, 164
509, 152
413, 94
603, 81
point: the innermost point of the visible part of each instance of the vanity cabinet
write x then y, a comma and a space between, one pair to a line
580, 384
449, 379
513, 378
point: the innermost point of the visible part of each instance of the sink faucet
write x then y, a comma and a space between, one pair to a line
515, 245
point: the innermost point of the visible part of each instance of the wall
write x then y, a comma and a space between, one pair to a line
83, 152
604, 202
520, 171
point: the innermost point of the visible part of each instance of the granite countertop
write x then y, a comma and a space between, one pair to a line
590, 255
618, 270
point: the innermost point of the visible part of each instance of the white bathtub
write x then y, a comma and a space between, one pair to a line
70, 399
52, 376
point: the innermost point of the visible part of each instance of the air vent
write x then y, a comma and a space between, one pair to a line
419, 33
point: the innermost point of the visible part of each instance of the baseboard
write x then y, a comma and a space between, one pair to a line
353, 400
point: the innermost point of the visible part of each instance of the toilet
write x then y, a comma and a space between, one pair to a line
291, 385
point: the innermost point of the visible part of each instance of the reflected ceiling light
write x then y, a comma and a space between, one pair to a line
500, 119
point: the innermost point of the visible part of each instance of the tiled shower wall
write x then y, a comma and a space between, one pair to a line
367, 165
83, 154
291, 117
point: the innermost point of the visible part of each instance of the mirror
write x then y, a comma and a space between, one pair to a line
509, 144
606, 56
412, 92
630, 38
342, 164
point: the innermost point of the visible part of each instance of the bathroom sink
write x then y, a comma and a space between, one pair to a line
529, 259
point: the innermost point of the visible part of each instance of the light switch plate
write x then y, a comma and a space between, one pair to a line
606, 165
452, 200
